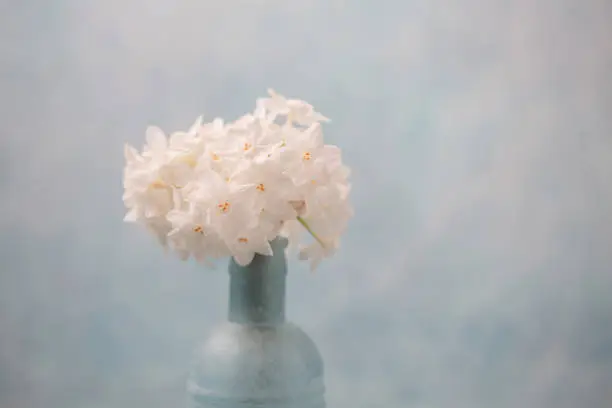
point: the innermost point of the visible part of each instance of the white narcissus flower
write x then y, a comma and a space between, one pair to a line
187, 141
267, 189
191, 235
249, 241
157, 144
228, 189
146, 194
225, 204
295, 111
317, 251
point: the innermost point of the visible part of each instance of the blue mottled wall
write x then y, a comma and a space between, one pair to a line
477, 271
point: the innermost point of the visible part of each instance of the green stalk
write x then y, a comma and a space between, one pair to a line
305, 225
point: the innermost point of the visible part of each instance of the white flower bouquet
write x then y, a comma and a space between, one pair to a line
228, 189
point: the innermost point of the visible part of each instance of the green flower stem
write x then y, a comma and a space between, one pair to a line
305, 225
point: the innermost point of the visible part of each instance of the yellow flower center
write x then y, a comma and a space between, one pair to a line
189, 159
243, 240
307, 156
215, 157
158, 184
224, 207
198, 228
260, 187
247, 146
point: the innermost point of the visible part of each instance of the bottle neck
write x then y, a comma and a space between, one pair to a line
257, 291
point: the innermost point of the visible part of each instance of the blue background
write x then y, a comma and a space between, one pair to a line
477, 269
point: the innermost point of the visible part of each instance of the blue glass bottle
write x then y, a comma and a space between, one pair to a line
257, 359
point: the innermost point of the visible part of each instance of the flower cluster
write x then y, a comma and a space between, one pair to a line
228, 189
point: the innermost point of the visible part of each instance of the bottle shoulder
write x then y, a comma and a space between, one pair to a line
269, 361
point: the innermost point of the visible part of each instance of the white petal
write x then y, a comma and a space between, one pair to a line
265, 249
317, 116
244, 258
130, 153
196, 126
132, 216
156, 139
314, 263
183, 254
